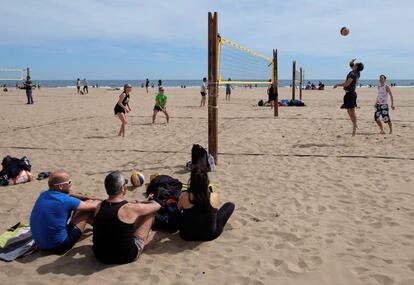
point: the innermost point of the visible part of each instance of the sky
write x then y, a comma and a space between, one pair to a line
132, 39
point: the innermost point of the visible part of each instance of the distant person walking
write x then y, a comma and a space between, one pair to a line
203, 92
78, 85
160, 106
147, 83
28, 85
350, 97
85, 86
122, 107
381, 104
228, 90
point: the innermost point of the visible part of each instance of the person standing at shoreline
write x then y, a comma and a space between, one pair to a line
228, 90
28, 85
78, 85
85, 86
203, 92
122, 107
350, 97
159, 84
147, 83
381, 104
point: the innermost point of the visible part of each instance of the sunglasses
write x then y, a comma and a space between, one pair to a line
69, 182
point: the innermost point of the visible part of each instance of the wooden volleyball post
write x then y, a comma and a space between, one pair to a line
213, 85
300, 83
293, 79
275, 83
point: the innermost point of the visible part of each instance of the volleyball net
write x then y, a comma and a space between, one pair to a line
16, 74
240, 65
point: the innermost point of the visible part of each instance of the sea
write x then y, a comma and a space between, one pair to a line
194, 83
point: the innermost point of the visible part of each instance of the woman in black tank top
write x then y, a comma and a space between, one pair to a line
122, 107
200, 219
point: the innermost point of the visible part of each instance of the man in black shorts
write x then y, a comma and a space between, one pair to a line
350, 98
272, 95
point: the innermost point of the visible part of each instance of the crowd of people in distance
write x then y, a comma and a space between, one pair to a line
312, 86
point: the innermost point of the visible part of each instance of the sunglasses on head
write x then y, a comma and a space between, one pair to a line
69, 182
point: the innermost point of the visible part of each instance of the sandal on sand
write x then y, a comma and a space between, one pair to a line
43, 175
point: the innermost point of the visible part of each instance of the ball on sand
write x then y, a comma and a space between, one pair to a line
344, 31
137, 178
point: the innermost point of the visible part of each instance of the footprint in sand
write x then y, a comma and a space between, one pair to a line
382, 279
360, 270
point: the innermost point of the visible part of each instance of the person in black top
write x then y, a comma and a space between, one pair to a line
147, 83
122, 107
350, 98
120, 228
272, 95
28, 85
200, 219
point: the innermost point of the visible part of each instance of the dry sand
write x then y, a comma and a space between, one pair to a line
313, 205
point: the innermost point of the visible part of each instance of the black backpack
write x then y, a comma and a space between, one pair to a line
166, 191
199, 156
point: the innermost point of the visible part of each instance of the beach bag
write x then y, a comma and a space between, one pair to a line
166, 191
11, 168
199, 156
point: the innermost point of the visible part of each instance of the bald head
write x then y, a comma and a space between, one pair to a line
56, 177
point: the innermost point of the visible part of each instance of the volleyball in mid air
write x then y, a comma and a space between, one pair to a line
137, 178
344, 31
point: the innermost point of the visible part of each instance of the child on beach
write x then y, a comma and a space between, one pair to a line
350, 97
381, 104
160, 105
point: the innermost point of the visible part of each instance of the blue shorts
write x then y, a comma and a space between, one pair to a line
74, 234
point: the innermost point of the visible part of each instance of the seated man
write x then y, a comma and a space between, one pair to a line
121, 229
51, 212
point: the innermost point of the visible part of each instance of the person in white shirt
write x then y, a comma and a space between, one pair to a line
203, 92
381, 104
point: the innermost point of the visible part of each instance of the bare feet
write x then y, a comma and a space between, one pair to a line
382, 132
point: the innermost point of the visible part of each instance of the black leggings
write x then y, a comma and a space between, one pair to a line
191, 228
223, 215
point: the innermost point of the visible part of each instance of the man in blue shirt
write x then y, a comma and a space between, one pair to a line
51, 212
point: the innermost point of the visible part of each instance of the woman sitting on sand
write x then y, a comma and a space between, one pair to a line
122, 107
200, 217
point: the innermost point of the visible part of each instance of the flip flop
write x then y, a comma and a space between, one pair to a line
43, 175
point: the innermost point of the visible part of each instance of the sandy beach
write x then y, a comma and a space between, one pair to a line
313, 205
